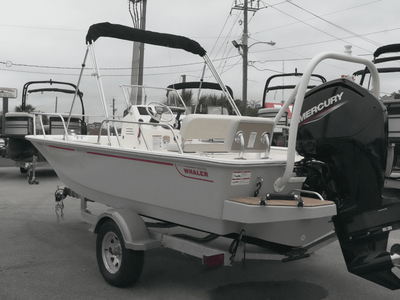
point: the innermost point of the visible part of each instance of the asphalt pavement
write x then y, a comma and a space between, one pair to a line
41, 258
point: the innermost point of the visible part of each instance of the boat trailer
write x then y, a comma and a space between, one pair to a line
140, 234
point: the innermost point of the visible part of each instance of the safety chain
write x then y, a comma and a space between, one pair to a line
60, 208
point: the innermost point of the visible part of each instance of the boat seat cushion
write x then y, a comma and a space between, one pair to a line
216, 133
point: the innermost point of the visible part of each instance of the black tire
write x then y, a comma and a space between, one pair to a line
23, 170
119, 266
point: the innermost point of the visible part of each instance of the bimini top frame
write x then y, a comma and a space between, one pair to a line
148, 37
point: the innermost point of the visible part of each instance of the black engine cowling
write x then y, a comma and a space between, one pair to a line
345, 127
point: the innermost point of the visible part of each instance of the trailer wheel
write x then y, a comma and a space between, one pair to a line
119, 266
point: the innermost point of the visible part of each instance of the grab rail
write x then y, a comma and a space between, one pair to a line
105, 121
140, 124
35, 114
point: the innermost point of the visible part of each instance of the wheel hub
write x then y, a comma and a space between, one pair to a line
111, 253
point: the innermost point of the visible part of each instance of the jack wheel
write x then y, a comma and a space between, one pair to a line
119, 266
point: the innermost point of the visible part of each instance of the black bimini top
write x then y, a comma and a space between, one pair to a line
387, 49
143, 36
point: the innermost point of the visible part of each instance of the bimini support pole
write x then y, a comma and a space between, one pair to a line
77, 86
219, 80
98, 79
280, 182
200, 86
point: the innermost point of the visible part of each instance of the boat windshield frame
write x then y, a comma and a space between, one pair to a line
144, 88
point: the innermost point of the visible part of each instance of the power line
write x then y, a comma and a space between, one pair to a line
331, 13
41, 28
319, 17
10, 64
335, 25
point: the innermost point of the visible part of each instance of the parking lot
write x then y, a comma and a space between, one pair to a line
45, 259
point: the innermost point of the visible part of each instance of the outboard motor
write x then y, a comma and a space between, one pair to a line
343, 135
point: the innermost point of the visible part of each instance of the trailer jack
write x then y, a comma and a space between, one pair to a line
31, 169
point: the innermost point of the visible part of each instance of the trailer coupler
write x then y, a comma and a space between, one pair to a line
363, 237
59, 195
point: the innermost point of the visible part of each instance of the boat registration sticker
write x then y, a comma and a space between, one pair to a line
252, 140
240, 177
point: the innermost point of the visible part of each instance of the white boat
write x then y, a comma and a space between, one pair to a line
216, 174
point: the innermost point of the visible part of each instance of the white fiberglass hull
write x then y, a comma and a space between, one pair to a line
192, 191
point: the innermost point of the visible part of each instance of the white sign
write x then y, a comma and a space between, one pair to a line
8, 92
241, 177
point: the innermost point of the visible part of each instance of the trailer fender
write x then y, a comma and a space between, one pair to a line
134, 230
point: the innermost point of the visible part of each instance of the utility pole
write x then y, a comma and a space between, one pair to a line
114, 109
245, 37
139, 21
245, 40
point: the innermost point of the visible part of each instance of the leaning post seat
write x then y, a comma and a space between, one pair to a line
221, 133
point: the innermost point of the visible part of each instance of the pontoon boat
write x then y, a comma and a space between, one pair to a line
19, 124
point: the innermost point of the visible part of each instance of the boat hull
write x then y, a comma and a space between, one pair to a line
183, 189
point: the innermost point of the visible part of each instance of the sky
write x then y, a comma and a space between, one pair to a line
45, 39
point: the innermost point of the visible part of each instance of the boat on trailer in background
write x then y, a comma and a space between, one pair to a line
270, 106
212, 102
21, 123
213, 186
389, 71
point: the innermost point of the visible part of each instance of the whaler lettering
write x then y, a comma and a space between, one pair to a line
321, 106
196, 172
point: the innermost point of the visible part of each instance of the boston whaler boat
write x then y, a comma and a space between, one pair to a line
219, 178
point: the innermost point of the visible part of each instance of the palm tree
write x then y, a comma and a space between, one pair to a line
28, 108
207, 100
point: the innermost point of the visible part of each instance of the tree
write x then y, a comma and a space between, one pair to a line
28, 108
207, 100
252, 108
395, 95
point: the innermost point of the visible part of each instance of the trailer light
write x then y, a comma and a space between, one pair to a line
213, 260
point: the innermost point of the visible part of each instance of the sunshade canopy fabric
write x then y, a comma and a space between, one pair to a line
143, 36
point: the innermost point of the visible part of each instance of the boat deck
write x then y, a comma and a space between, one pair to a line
307, 202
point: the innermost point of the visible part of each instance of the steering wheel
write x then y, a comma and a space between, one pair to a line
160, 109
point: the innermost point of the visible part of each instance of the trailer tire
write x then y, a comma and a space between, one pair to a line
119, 266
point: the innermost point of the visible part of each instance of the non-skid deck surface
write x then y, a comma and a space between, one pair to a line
308, 202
